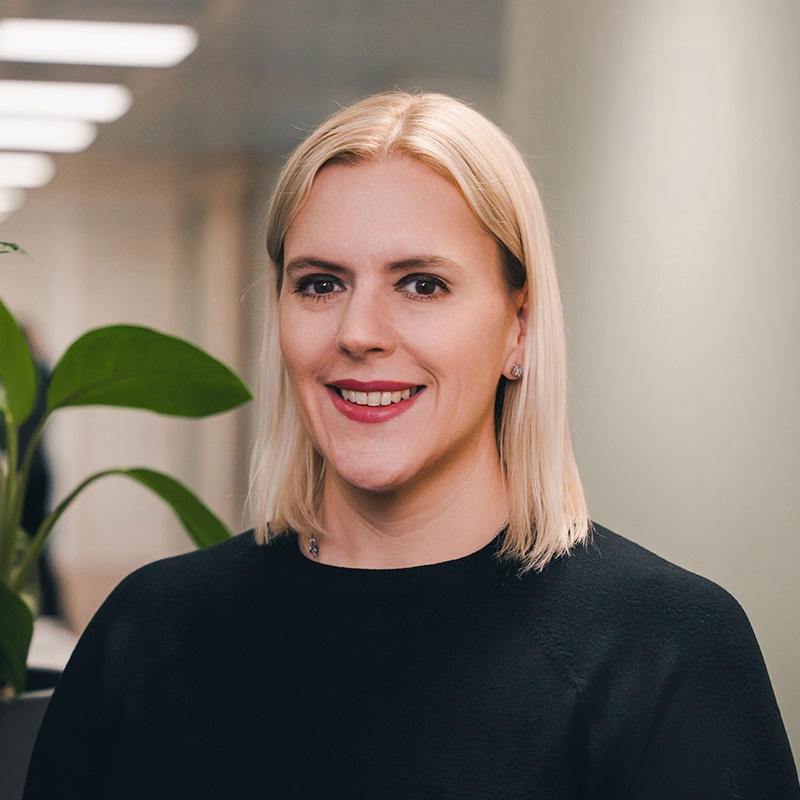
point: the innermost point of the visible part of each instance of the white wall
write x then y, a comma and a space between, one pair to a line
665, 136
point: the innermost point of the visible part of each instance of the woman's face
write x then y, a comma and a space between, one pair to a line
395, 325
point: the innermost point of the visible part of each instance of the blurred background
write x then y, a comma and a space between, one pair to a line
664, 139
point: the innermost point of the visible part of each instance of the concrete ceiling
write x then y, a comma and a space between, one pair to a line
266, 70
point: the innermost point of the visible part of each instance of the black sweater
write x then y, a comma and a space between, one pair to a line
249, 671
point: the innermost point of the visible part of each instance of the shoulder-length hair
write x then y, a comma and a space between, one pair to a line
548, 511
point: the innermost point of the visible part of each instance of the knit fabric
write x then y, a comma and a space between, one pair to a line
250, 671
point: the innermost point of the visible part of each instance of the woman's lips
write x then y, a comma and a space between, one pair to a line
374, 401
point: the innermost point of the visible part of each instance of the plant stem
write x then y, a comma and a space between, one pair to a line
2, 487
20, 574
8, 520
25, 469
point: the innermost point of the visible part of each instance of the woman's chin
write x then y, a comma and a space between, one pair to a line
373, 478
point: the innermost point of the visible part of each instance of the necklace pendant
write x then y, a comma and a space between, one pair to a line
313, 547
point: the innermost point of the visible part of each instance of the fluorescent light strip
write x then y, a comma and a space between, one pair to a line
114, 43
50, 135
25, 170
10, 201
97, 102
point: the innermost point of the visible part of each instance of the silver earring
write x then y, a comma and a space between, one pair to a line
516, 371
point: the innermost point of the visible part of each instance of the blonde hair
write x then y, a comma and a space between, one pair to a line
548, 510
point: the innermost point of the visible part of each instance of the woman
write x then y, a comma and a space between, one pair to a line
420, 612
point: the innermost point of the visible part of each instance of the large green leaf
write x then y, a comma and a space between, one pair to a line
125, 365
200, 522
16, 631
202, 525
17, 371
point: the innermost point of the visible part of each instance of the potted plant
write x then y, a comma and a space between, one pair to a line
120, 365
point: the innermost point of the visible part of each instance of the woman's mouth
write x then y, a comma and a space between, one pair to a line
377, 398
373, 401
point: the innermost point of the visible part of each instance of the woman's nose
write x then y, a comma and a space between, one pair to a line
365, 326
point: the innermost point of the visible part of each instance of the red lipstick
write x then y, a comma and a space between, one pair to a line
358, 413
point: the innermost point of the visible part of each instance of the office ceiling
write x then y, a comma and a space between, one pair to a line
266, 70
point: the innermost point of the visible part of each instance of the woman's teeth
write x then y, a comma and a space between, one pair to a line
377, 398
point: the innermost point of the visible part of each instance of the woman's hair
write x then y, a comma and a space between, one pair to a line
548, 511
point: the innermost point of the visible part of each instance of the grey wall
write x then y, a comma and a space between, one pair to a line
665, 137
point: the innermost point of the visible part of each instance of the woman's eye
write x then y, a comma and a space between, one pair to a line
423, 285
317, 286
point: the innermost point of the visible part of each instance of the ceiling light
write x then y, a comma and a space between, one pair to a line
25, 170
10, 200
98, 102
73, 42
50, 135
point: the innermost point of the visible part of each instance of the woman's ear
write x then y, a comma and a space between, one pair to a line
516, 360
522, 314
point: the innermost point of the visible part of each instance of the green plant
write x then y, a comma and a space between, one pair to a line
121, 365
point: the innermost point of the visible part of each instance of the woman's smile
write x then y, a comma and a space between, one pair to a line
379, 404
374, 393
381, 398
395, 324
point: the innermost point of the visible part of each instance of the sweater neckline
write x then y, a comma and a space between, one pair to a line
403, 580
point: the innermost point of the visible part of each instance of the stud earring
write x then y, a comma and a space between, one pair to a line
516, 371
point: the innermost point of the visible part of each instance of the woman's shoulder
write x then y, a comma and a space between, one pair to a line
182, 598
231, 559
610, 571
204, 582
174, 574
228, 551
613, 602
665, 662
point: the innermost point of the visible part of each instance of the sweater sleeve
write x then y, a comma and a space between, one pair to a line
71, 750
705, 724
77, 737
673, 699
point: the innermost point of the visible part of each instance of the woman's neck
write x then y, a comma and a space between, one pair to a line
439, 518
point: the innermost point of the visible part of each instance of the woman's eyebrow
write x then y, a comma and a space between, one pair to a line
302, 263
311, 262
423, 262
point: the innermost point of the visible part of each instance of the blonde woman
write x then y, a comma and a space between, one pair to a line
422, 610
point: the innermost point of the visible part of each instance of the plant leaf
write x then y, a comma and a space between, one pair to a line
202, 525
17, 370
134, 367
16, 631
10, 247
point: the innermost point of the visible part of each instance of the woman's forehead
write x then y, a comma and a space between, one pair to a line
396, 199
